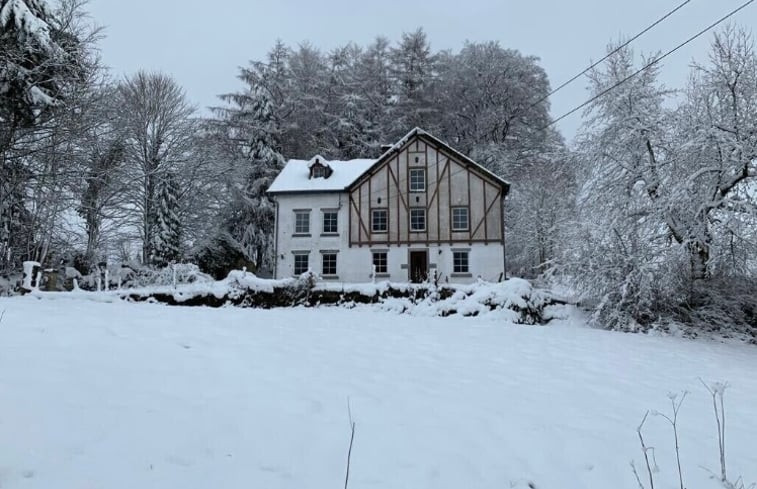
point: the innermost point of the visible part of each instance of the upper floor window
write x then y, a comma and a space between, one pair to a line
417, 180
417, 220
302, 222
460, 220
379, 220
330, 222
318, 171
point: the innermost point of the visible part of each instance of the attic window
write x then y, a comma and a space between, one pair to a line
319, 168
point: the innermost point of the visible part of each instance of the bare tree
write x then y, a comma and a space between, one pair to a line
158, 132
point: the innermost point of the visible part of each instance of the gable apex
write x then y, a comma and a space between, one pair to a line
419, 133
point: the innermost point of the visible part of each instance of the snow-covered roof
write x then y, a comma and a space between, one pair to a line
295, 177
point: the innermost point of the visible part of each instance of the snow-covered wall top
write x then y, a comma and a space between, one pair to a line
295, 177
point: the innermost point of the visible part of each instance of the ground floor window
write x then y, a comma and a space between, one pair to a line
329, 264
380, 261
301, 263
460, 262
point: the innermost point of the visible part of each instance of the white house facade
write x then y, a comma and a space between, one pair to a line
420, 211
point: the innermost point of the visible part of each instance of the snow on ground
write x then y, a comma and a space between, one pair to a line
120, 395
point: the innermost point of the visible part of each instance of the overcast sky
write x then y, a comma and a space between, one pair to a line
202, 43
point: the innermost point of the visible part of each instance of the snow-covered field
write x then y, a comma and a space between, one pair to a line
119, 395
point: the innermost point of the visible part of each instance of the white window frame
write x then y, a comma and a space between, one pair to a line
410, 219
460, 267
386, 220
325, 254
413, 181
336, 221
297, 229
467, 218
385, 259
307, 262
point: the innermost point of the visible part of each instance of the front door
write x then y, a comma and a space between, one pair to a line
418, 266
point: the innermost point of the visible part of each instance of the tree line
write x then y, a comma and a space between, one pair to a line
650, 212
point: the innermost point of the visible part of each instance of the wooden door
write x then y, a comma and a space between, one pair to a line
418, 266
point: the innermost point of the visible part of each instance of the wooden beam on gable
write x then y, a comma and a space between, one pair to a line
397, 184
360, 221
438, 182
486, 214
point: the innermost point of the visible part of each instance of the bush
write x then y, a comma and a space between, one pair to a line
219, 255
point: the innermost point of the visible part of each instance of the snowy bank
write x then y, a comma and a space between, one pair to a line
514, 300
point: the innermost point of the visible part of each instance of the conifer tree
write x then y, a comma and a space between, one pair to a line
413, 69
167, 233
250, 217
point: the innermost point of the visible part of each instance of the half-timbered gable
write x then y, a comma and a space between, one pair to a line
422, 191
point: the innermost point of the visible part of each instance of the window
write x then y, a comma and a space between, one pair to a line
417, 180
301, 263
379, 261
319, 171
417, 220
330, 222
301, 222
329, 264
379, 220
459, 218
460, 262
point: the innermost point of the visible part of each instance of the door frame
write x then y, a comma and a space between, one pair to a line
410, 253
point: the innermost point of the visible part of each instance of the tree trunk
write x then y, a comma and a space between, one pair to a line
700, 260
148, 220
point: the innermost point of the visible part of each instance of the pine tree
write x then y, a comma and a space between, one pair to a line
250, 216
32, 59
413, 70
168, 228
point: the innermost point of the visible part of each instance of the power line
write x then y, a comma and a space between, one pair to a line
594, 65
648, 65
381, 188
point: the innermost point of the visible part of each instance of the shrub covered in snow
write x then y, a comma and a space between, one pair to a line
514, 300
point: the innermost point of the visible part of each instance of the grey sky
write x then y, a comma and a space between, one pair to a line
202, 43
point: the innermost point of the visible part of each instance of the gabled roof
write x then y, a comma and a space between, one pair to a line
295, 176
428, 137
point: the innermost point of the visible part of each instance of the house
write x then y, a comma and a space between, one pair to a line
421, 210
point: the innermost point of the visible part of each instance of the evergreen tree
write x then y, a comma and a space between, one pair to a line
249, 219
167, 234
34, 62
413, 68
